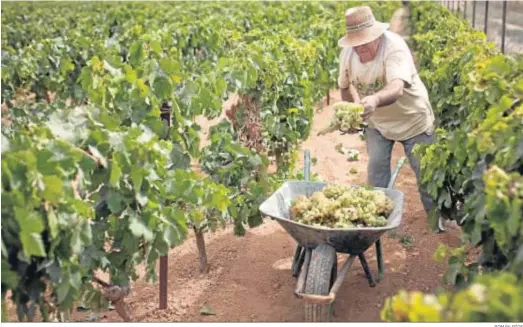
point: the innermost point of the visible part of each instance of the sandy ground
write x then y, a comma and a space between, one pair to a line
250, 278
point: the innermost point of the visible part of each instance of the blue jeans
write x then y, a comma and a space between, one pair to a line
379, 150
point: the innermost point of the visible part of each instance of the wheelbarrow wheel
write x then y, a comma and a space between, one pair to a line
321, 275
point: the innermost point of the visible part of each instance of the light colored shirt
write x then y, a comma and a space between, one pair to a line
412, 113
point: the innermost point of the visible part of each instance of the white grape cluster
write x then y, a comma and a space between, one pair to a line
338, 206
347, 118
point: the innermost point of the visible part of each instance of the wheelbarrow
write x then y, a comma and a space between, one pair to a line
315, 259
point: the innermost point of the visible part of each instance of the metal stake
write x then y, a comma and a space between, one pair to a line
486, 18
307, 158
504, 26
474, 14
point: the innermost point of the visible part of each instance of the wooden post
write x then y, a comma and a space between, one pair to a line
164, 266
164, 262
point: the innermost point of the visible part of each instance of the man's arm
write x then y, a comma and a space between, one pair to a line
399, 71
350, 94
345, 95
384, 97
390, 93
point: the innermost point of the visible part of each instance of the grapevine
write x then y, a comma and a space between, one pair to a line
245, 117
477, 139
473, 171
490, 298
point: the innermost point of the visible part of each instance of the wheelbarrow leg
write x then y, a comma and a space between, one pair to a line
379, 257
368, 273
379, 252
297, 261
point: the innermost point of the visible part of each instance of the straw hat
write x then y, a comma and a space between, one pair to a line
362, 27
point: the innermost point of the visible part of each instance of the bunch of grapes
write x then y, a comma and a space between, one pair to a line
338, 206
347, 118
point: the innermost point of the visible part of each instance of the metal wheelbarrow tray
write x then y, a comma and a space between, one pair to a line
345, 240
315, 259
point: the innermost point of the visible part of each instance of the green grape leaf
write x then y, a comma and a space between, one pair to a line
9, 277
53, 189
62, 291
156, 47
169, 66
139, 229
136, 53
179, 158
137, 175
33, 244
114, 201
163, 87
116, 173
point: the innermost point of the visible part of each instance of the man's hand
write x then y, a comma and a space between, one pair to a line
384, 97
370, 103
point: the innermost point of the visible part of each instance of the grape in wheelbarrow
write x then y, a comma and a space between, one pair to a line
347, 118
338, 206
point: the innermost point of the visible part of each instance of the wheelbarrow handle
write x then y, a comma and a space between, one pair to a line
307, 162
396, 172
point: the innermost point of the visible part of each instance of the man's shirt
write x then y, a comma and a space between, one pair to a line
412, 113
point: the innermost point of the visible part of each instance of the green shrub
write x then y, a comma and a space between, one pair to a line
474, 169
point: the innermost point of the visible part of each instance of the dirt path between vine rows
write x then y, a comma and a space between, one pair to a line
250, 278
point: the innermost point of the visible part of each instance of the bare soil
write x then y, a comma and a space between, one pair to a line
250, 278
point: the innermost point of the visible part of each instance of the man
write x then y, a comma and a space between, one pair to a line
378, 71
